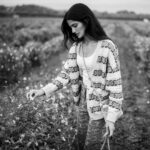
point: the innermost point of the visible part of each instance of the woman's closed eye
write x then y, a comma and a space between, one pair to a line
74, 25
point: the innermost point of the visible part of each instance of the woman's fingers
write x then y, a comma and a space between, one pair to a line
28, 95
31, 95
109, 129
107, 132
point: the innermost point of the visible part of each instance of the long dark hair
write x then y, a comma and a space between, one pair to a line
82, 13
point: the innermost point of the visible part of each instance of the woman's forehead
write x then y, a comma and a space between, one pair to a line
72, 21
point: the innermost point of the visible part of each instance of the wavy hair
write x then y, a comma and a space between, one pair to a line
80, 12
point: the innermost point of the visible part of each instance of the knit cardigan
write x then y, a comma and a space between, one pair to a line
106, 81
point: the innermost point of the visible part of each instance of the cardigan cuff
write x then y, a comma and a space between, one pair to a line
113, 114
49, 89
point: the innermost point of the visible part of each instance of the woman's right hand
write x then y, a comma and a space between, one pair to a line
32, 94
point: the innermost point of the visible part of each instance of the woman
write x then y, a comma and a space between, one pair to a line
93, 62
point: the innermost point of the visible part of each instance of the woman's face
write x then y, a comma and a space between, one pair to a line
77, 28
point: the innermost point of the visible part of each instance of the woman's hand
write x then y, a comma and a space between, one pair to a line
110, 127
32, 94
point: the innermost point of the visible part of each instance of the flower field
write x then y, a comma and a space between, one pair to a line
31, 55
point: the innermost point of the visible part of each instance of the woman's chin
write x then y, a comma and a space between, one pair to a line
80, 36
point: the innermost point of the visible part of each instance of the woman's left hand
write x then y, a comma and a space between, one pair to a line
110, 127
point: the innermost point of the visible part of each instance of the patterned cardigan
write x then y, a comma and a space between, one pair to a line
106, 81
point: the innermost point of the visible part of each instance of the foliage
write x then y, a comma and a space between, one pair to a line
38, 124
18, 34
14, 62
50, 124
7, 33
36, 11
38, 35
9, 65
23, 47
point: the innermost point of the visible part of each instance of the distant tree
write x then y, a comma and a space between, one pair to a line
125, 12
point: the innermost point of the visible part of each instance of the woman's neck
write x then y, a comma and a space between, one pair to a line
88, 39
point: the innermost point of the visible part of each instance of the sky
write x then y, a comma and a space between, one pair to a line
138, 6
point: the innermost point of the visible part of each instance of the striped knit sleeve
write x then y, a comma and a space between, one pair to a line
114, 84
59, 82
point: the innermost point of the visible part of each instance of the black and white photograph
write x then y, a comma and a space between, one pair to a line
74, 75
